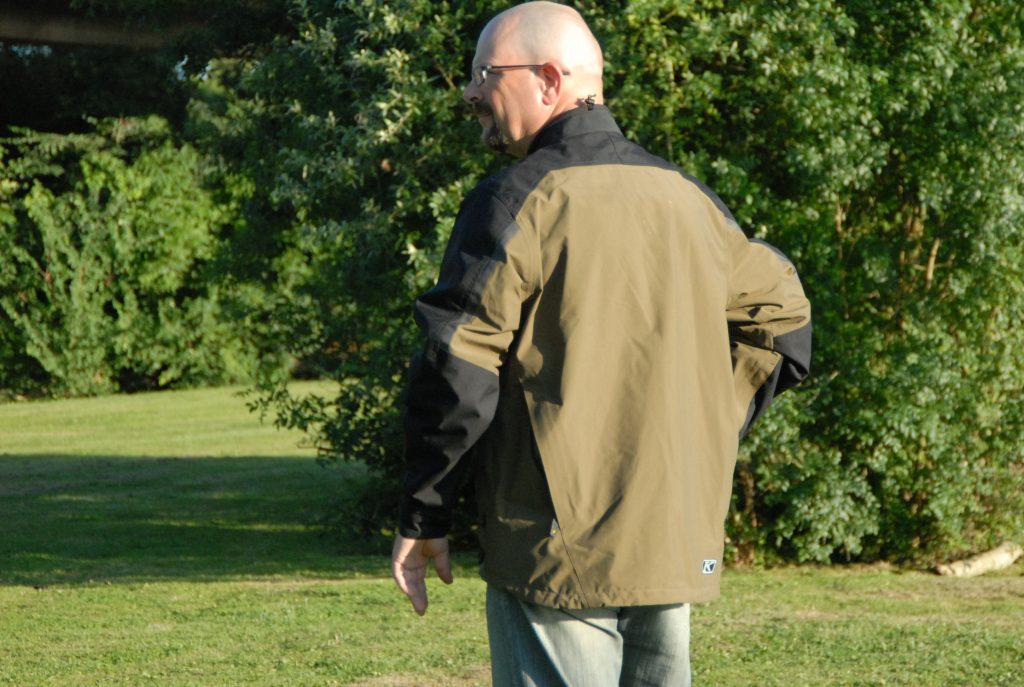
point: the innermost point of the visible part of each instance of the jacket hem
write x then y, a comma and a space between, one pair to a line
607, 597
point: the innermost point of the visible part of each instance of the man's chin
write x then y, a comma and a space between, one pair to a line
494, 139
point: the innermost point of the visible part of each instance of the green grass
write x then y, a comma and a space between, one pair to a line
862, 626
183, 485
164, 539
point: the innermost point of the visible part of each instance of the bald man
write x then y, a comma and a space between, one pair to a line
601, 335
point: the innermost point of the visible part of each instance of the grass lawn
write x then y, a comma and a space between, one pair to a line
164, 539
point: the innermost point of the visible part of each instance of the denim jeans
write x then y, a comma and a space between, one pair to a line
628, 646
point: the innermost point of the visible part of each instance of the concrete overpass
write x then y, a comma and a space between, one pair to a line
54, 22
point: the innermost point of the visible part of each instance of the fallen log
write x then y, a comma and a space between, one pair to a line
999, 558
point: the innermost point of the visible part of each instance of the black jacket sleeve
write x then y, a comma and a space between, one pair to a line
469, 320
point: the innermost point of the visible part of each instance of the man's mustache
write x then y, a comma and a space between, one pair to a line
481, 109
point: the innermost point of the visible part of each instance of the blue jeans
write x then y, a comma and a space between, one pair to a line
627, 646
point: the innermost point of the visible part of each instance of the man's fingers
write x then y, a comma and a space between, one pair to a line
411, 582
409, 567
417, 593
437, 550
401, 577
443, 566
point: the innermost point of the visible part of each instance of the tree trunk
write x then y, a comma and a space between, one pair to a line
1003, 556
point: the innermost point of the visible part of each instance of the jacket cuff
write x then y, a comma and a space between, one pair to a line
417, 521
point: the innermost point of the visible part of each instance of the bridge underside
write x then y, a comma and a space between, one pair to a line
54, 22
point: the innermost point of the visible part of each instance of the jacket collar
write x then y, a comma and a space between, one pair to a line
572, 123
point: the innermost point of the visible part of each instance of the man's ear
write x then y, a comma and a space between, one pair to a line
552, 75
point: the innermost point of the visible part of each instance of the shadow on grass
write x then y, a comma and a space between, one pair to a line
73, 519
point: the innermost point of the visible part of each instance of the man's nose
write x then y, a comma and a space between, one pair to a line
471, 93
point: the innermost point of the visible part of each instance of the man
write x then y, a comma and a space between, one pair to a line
601, 335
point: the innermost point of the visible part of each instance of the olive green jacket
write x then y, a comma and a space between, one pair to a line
601, 335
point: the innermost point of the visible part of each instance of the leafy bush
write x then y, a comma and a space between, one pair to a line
106, 235
350, 155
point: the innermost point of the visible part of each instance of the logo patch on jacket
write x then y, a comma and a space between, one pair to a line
709, 566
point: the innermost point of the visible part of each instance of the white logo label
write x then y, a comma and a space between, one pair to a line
709, 566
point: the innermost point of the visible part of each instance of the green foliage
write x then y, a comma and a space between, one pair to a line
878, 143
351, 151
53, 88
106, 235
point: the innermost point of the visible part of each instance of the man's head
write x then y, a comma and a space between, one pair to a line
556, 64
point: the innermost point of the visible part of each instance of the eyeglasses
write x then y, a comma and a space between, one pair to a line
480, 73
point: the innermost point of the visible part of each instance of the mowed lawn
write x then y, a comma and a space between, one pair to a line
165, 539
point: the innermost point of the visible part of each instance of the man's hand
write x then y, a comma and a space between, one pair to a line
409, 567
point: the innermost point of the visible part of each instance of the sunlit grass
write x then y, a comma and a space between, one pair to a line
201, 422
165, 539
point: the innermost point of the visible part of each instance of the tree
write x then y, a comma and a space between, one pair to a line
877, 143
118, 197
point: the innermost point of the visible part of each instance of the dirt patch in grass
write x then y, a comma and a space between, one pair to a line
478, 676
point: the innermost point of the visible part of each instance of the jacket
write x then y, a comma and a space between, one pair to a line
601, 335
